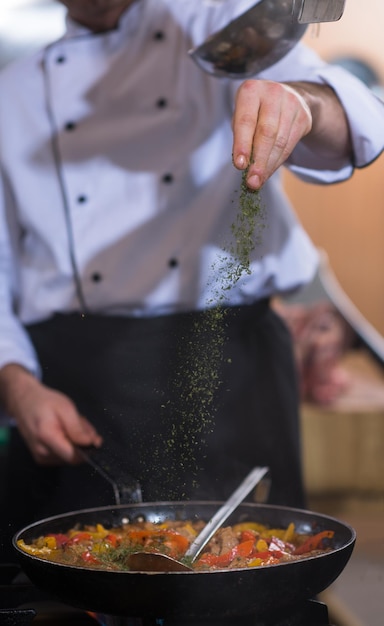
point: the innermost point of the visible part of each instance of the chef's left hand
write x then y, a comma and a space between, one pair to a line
269, 120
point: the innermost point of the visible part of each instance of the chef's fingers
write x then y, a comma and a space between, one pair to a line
269, 120
65, 430
47, 419
244, 122
293, 120
79, 430
81, 433
51, 425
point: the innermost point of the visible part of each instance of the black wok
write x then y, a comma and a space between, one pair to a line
190, 595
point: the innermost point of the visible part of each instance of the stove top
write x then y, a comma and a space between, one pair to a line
22, 604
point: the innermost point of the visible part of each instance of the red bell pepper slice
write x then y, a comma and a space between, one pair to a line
245, 548
267, 554
61, 540
80, 537
314, 542
112, 539
174, 542
88, 557
242, 550
247, 535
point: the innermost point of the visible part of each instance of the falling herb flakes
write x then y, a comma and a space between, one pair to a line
201, 353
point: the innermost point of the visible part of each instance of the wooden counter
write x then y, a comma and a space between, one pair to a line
343, 445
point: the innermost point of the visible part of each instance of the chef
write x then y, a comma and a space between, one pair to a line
121, 169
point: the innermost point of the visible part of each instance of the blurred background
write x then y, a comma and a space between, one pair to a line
347, 220
26, 25
344, 443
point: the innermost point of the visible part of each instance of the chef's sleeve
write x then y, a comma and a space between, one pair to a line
363, 109
365, 115
15, 346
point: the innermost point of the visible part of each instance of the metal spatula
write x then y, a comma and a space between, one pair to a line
316, 11
157, 562
262, 36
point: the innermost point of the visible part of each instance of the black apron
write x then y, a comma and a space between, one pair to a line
182, 410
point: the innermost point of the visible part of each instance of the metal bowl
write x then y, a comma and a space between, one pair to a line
252, 42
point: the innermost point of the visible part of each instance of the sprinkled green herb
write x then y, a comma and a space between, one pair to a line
202, 353
248, 218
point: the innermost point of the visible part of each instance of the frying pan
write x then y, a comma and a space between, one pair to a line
190, 595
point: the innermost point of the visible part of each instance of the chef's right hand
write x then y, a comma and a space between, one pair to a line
47, 419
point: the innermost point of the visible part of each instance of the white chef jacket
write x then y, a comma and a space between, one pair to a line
117, 190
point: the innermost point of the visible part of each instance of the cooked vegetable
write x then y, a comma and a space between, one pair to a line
243, 545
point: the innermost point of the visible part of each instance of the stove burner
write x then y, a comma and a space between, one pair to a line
19, 617
311, 613
22, 604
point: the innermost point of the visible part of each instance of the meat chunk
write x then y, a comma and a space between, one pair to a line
223, 541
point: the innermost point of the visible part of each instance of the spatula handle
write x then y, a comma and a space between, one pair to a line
224, 512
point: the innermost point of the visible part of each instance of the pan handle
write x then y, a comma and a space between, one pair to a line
126, 489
